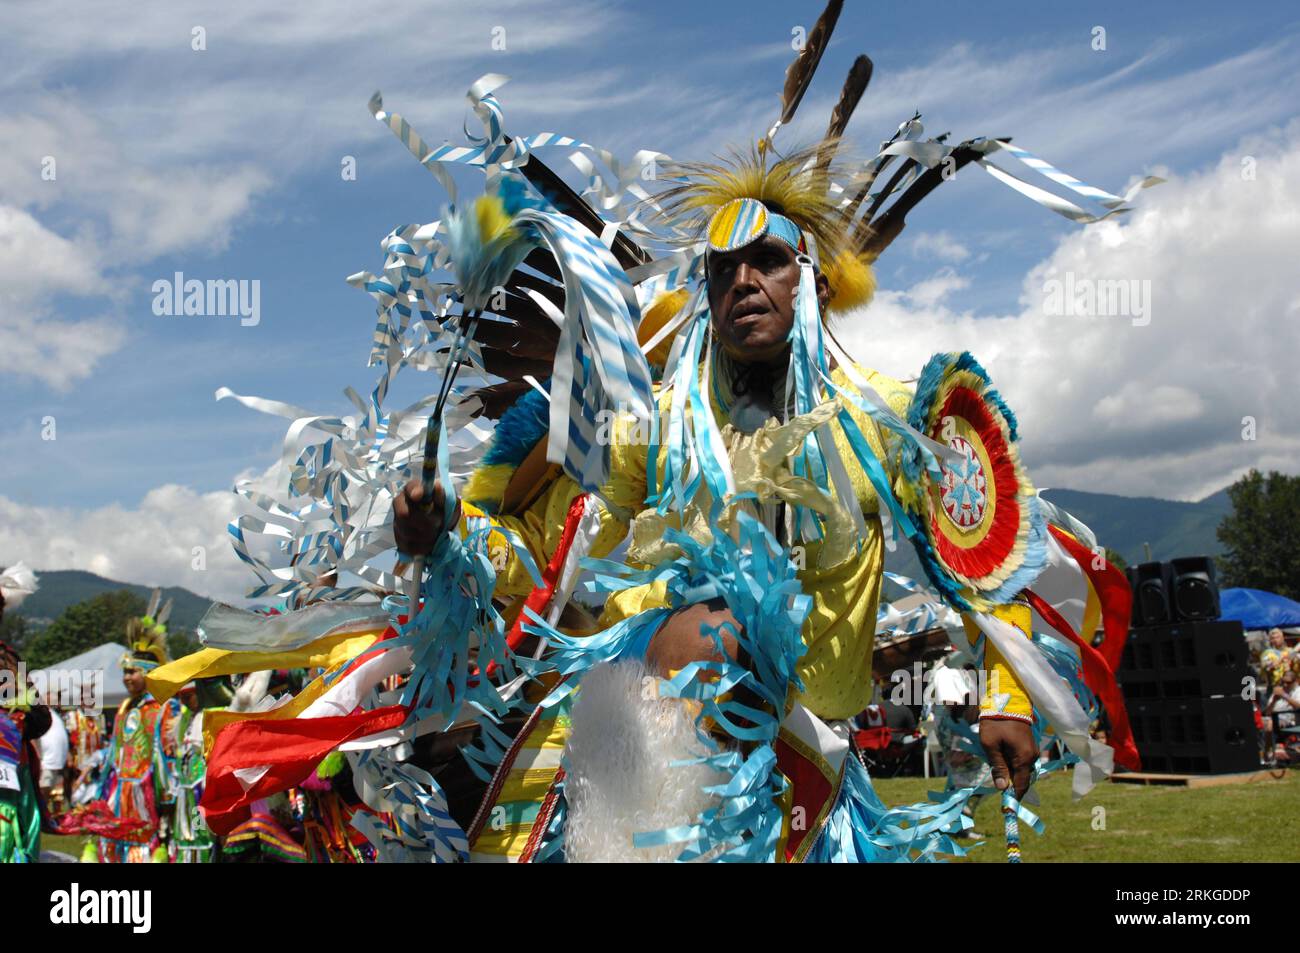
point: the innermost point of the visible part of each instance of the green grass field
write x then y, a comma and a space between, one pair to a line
1232, 823
65, 845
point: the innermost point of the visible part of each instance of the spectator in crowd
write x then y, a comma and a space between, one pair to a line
885, 710
1284, 700
52, 748
898, 717
886, 731
1275, 711
22, 721
1277, 658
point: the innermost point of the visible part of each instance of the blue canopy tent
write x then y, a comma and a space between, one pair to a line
1257, 609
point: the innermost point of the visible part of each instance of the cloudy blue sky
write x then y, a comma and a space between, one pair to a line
225, 163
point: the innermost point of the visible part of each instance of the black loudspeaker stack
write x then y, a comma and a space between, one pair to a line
1179, 590
1184, 674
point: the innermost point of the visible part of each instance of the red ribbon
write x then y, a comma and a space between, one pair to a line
1100, 678
1112, 591
541, 595
291, 748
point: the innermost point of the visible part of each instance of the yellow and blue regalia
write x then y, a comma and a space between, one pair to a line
597, 415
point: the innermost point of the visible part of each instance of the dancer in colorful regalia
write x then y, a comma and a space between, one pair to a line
22, 720
669, 374
137, 796
85, 746
780, 426
191, 841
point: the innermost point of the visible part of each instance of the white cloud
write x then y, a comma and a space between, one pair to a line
160, 149
131, 203
35, 264
1161, 404
1115, 405
58, 352
174, 209
153, 543
157, 542
932, 291
939, 246
126, 211
35, 261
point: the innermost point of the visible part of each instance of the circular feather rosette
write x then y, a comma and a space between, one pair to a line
981, 536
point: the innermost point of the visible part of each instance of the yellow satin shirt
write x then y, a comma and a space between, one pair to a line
840, 628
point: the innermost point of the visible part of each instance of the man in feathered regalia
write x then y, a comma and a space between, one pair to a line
670, 378
763, 219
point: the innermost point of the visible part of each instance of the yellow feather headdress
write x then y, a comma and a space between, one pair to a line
148, 646
797, 186
146, 637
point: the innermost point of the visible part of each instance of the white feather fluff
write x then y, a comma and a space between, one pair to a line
620, 780
251, 694
16, 584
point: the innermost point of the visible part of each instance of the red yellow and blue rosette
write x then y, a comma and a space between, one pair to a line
982, 534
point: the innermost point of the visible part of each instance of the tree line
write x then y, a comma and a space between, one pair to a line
96, 621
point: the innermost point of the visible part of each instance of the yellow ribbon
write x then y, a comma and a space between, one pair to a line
327, 653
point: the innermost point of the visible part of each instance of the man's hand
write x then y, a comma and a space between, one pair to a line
1009, 745
417, 524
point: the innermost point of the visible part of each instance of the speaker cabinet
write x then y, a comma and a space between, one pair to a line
1195, 736
1195, 591
1183, 590
1184, 660
1151, 594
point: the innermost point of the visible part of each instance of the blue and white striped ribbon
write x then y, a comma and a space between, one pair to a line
336, 475
931, 153
418, 808
622, 193
597, 362
1046, 169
